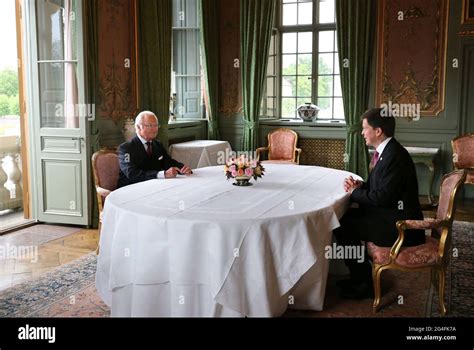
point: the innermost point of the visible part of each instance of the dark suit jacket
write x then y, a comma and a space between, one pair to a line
390, 194
137, 166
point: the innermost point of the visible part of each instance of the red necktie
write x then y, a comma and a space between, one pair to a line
374, 160
149, 150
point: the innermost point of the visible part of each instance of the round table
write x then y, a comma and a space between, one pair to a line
198, 246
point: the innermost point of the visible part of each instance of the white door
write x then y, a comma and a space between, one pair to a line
58, 113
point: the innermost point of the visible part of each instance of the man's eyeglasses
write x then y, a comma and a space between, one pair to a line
149, 126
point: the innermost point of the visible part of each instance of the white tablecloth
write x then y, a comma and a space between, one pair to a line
200, 153
199, 246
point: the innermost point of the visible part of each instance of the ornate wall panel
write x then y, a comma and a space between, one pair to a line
412, 37
117, 59
230, 86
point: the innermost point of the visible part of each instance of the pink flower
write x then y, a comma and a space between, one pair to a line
248, 172
234, 173
232, 168
240, 172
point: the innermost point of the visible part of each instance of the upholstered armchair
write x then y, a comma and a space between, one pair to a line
281, 147
463, 155
433, 254
105, 165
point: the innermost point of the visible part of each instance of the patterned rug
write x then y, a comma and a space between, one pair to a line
459, 287
69, 291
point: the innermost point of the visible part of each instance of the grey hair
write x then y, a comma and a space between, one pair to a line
138, 119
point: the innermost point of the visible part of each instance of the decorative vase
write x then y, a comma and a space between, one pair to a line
242, 181
308, 112
128, 129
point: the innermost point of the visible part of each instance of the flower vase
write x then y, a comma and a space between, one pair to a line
242, 181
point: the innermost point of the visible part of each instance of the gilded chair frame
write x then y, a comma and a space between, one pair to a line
100, 192
438, 269
297, 153
455, 151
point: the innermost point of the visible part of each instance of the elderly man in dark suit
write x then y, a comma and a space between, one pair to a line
390, 194
144, 158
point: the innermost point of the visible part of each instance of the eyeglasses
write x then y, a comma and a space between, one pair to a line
149, 126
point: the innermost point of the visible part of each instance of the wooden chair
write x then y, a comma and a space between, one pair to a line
106, 169
281, 147
463, 155
433, 254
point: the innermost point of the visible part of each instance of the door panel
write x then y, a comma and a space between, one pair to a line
58, 122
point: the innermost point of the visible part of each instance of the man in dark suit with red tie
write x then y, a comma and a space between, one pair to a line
390, 194
144, 158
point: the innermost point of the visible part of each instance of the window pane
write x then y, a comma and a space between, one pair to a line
288, 107
305, 42
289, 65
53, 26
305, 63
59, 107
337, 86
304, 86
289, 14
288, 86
289, 43
270, 87
336, 63
326, 11
305, 13
325, 63
338, 109
326, 41
271, 66
325, 85
325, 103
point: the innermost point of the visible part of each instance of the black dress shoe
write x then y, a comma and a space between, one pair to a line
347, 283
358, 292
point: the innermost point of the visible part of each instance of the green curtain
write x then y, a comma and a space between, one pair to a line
91, 65
154, 43
355, 23
209, 18
256, 21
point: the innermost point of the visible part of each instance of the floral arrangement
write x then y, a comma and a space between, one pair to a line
243, 167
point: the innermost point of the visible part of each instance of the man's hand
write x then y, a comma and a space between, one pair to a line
171, 172
185, 170
350, 184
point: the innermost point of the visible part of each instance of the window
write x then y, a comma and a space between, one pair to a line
269, 107
186, 81
309, 69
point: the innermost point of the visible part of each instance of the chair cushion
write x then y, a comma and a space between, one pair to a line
417, 256
282, 145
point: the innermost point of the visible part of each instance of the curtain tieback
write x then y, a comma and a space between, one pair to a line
354, 128
250, 125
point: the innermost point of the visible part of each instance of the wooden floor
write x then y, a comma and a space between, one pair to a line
66, 249
50, 255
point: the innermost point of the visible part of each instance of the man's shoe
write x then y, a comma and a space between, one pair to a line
347, 283
359, 292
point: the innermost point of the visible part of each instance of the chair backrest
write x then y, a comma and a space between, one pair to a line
463, 155
447, 204
282, 144
463, 151
106, 168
